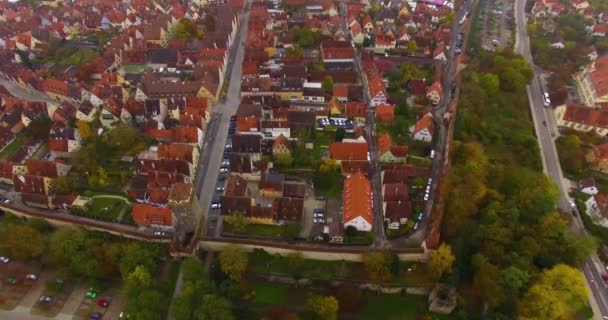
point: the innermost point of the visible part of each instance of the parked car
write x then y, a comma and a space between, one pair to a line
416, 226
31, 276
95, 315
426, 197
318, 210
223, 170
4, 259
215, 205
572, 205
46, 299
420, 216
225, 163
432, 155
319, 215
11, 281
103, 303
220, 189
91, 294
320, 198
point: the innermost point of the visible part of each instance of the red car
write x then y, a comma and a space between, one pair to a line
103, 303
605, 278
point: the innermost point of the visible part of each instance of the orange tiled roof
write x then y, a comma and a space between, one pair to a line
425, 122
348, 151
148, 214
357, 198
385, 113
248, 124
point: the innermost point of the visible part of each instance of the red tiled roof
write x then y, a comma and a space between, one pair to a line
340, 91
385, 113
348, 151
43, 168
356, 109
248, 124
425, 122
600, 152
6, 169
59, 145
357, 198
146, 214
586, 115
178, 151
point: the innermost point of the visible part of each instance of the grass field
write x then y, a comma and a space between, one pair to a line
397, 307
102, 208
270, 293
12, 147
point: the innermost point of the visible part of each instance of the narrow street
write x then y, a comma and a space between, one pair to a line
217, 130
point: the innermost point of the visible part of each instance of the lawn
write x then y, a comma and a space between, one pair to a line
394, 306
12, 147
263, 230
270, 293
102, 208
134, 68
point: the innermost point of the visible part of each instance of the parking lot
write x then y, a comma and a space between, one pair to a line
495, 16
27, 293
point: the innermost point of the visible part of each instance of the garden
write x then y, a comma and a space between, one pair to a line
106, 208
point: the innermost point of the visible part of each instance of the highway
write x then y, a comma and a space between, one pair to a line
546, 129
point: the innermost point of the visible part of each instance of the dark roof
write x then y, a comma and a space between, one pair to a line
249, 110
240, 163
232, 205
294, 189
162, 55
247, 143
299, 119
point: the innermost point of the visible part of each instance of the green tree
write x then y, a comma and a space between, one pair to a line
558, 294
490, 83
441, 261
214, 308
295, 262
486, 285
328, 84
39, 128
284, 160
185, 29
514, 279
340, 134
237, 221
512, 80
294, 51
323, 307
181, 308
412, 46
23, 242
69, 249
84, 129
64, 184
139, 254
377, 265
233, 262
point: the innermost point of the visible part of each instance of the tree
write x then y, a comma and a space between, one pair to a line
558, 294
514, 279
139, 254
181, 308
185, 29
340, 134
39, 128
376, 265
511, 80
294, 51
441, 261
328, 84
328, 165
490, 83
295, 262
284, 160
412, 46
237, 221
214, 308
323, 307
84, 129
279, 313
350, 298
233, 262
69, 249
485, 282
64, 184
23, 242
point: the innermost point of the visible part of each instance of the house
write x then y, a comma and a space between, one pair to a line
424, 128
337, 52
439, 52
377, 91
588, 186
389, 153
583, 118
385, 113
597, 208
349, 151
340, 93
281, 146
336, 232
396, 213
357, 111
151, 216
357, 199
592, 82
287, 209
435, 92
580, 4
247, 143
598, 157
600, 30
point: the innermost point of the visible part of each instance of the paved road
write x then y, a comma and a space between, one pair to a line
217, 131
545, 128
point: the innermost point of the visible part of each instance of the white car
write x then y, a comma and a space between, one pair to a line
46, 299
31, 276
223, 170
416, 226
5, 259
572, 205
426, 197
219, 189
432, 155
215, 205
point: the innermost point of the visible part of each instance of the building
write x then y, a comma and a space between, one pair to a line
151, 216
582, 118
592, 82
389, 153
357, 203
424, 128
598, 157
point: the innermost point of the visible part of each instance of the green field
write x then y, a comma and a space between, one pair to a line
103, 208
12, 147
397, 307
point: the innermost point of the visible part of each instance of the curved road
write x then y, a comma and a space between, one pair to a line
546, 129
